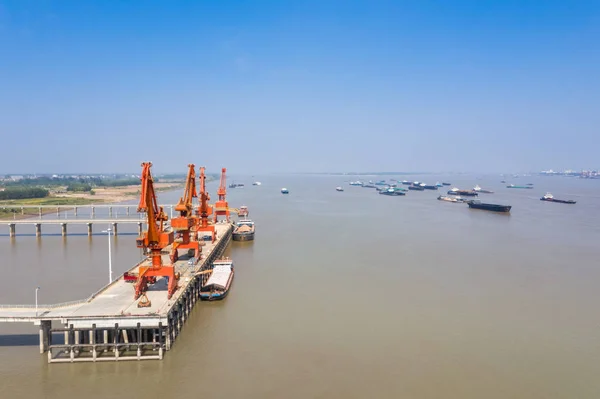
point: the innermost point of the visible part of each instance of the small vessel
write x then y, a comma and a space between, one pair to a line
381, 183
256, 183
391, 191
466, 193
356, 183
243, 211
481, 190
530, 184
550, 198
450, 199
503, 181
244, 231
216, 286
513, 186
368, 186
417, 188
406, 182
339, 189
438, 184
446, 184
429, 187
285, 191
235, 185
475, 204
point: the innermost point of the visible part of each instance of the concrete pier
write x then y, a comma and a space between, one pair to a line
12, 229
89, 229
38, 229
114, 229
110, 326
63, 228
140, 229
75, 211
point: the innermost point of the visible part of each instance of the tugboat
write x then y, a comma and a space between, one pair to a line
243, 212
285, 191
219, 280
391, 191
244, 231
466, 193
475, 204
550, 198
481, 190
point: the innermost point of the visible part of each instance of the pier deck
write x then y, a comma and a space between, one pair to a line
111, 321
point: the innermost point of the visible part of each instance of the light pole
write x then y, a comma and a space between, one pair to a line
36, 300
110, 279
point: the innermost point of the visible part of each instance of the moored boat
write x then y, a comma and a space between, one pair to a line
391, 191
244, 231
429, 187
356, 183
416, 187
339, 189
481, 190
450, 199
438, 184
243, 211
285, 191
550, 198
475, 204
256, 183
466, 193
406, 182
513, 186
217, 282
446, 184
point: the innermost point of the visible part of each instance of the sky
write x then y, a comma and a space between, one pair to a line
299, 86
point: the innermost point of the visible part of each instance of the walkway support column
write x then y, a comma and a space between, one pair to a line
89, 226
114, 229
93, 212
12, 230
38, 229
127, 210
63, 229
140, 229
110, 211
75, 210
45, 335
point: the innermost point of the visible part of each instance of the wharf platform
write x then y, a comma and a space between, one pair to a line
109, 325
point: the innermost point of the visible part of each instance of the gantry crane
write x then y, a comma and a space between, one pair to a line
221, 206
204, 210
183, 224
154, 239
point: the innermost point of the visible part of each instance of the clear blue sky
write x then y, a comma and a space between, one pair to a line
259, 86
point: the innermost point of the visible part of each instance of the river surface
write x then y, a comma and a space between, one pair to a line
348, 295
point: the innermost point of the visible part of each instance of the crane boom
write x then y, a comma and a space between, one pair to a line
221, 206
184, 206
184, 223
154, 239
205, 210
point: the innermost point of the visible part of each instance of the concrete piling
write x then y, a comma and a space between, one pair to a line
63, 227
89, 229
114, 228
12, 230
38, 229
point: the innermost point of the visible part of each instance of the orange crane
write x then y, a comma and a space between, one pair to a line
221, 206
154, 239
205, 210
184, 223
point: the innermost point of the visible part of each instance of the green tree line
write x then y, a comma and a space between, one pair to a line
11, 193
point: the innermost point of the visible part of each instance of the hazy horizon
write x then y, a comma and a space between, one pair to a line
299, 87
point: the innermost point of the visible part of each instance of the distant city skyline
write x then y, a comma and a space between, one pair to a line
299, 87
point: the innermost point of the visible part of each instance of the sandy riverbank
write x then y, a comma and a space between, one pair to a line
11, 209
116, 194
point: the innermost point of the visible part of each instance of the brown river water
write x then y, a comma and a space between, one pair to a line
348, 295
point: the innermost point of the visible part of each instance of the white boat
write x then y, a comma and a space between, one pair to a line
285, 191
339, 189
256, 183
481, 190
356, 183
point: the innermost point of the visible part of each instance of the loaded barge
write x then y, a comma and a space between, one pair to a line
550, 198
475, 204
